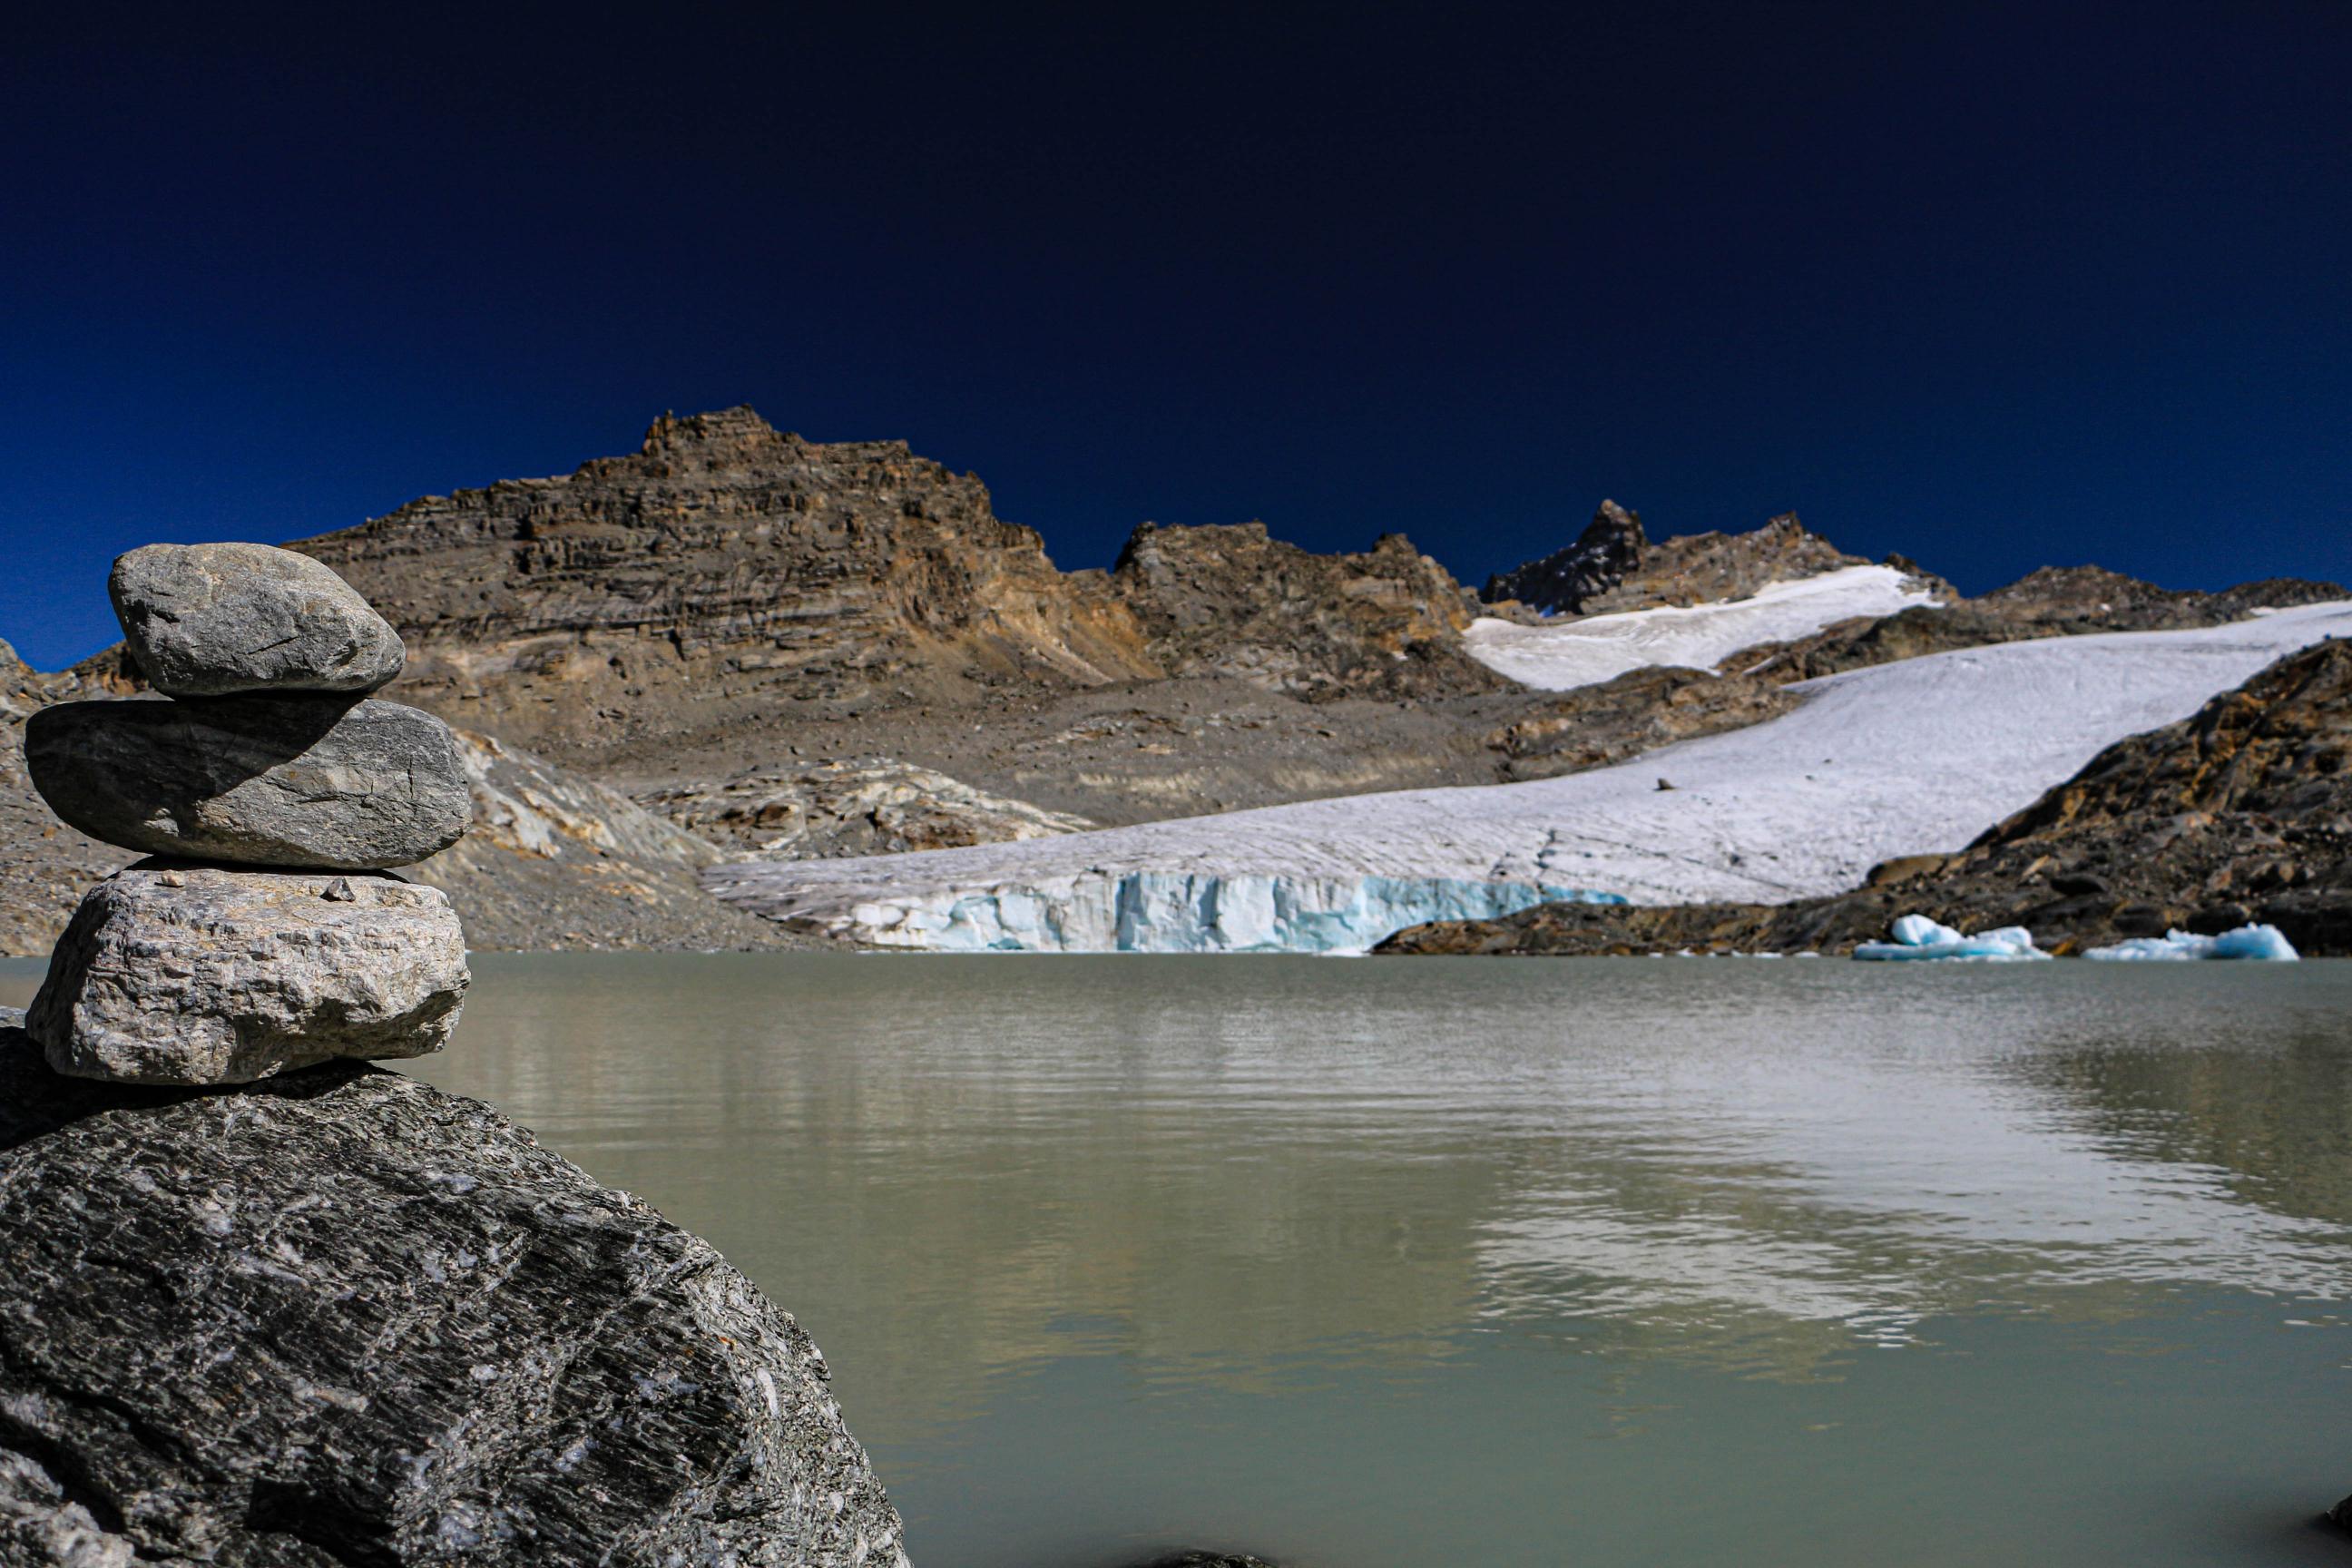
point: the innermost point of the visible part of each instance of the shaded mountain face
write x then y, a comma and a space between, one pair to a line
729, 572
1706, 568
1564, 582
1613, 567
2240, 812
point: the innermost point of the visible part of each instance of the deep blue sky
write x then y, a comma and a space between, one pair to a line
1994, 286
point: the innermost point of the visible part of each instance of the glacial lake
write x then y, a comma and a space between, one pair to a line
1404, 1264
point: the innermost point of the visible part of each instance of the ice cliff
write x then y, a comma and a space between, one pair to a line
1148, 911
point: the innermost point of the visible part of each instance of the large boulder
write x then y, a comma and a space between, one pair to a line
258, 781
204, 620
342, 1318
189, 975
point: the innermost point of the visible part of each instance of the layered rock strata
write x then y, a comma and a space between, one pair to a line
258, 951
729, 580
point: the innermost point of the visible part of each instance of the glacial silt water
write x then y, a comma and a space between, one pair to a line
1393, 1264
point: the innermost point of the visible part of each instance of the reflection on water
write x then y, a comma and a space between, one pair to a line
1399, 1263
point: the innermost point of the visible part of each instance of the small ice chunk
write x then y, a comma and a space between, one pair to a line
2254, 942
1916, 937
1918, 931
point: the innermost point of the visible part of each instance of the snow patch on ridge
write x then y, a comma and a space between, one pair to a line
1556, 657
1153, 913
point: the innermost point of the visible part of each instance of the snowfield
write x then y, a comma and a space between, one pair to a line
1697, 636
1898, 759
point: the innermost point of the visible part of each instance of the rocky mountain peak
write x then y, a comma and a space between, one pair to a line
727, 438
1611, 544
1231, 599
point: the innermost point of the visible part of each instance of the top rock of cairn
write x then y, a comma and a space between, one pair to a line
206, 620
267, 939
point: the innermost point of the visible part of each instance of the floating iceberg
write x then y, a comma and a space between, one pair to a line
1149, 911
2265, 942
1916, 937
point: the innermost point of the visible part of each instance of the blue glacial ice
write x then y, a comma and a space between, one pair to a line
1158, 911
1916, 938
2266, 942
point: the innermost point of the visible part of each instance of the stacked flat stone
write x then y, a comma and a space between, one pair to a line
275, 795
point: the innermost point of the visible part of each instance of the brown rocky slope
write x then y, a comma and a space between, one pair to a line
2240, 812
728, 574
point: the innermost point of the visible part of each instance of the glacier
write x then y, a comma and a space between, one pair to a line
1560, 654
1147, 911
1916, 938
2255, 941
1923, 754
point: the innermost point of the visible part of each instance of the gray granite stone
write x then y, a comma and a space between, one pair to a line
204, 620
191, 974
259, 780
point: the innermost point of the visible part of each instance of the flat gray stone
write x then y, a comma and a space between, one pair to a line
205, 620
256, 781
342, 1318
193, 974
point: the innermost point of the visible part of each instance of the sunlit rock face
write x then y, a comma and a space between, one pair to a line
1149, 911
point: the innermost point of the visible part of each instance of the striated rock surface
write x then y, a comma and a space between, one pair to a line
268, 780
1234, 601
866, 805
558, 860
204, 620
2239, 814
553, 861
193, 975
1593, 726
342, 1318
1564, 582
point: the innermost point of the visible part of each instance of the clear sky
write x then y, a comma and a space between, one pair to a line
1995, 286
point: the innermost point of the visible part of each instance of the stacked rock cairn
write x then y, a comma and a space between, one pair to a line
273, 795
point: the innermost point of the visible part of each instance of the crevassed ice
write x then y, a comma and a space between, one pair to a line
1155, 911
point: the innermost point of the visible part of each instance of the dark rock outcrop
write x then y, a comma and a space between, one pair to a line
1593, 726
1704, 568
1564, 582
1234, 601
308, 781
343, 1319
1614, 566
2240, 813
